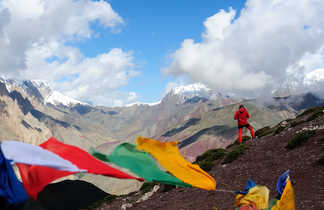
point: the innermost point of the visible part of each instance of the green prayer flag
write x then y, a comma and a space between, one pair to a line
141, 163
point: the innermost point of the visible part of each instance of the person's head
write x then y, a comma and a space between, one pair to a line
241, 106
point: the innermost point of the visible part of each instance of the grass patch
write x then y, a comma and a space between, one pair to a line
244, 139
206, 160
315, 115
279, 129
233, 155
264, 131
311, 110
297, 122
300, 139
213, 154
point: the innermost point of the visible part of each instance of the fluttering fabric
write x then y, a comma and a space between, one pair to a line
20, 152
287, 200
281, 183
11, 189
287, 197
35, 178
250, 184
141, 163
169, 157
258, 195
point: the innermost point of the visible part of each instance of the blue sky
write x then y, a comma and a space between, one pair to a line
152, 30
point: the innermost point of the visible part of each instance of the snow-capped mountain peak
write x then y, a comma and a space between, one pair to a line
41, 90
193, 93
195, 88
57, 98
143, 103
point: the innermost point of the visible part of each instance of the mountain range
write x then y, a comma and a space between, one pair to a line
197, 117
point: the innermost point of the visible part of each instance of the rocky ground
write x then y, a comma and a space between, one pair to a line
264, 161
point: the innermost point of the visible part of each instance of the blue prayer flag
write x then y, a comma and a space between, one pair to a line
12, 191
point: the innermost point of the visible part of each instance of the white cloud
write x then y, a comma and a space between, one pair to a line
87, 79
33, 45
269, 42
314, 76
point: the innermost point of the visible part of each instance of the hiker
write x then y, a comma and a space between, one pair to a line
241, 116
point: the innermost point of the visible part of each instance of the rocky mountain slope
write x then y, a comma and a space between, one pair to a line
199, 118
295, 144
94, 125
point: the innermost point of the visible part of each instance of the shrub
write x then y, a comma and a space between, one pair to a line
244, 139
297, 122
206, 160
311, 110
233, 155
206, 165
279, 129
213, 154
315, 115
300, 139
263, 131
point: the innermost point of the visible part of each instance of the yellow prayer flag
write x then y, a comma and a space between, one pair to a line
258, 195
169, 157
287, 200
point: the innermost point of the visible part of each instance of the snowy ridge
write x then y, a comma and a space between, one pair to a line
42, 90
142, 103
195, 88
57, 98
10, 83
52, 96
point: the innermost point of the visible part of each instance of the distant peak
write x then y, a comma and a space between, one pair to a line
41, 83
142, 103
196, 87
57, 98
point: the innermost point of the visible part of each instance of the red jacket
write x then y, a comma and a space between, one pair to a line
241, 116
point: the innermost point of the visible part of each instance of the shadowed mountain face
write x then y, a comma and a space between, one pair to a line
66, 195
174, 131
3, 89
23, 103
32, 90
297, 102
217, 130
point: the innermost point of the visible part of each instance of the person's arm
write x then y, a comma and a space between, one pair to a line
235, 116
